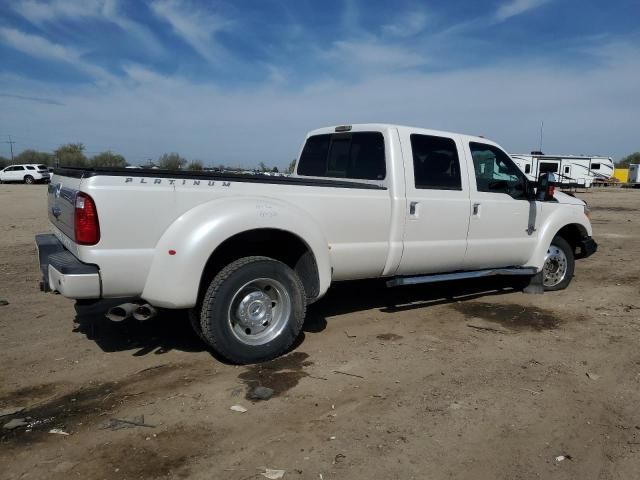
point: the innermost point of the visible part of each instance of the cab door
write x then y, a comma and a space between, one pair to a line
503, 221
437, 207
15, 173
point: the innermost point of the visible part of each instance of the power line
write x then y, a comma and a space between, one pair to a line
10, 142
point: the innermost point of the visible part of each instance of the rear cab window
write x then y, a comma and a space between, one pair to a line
350, 155
436, 165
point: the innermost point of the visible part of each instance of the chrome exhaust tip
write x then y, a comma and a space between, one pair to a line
121, 312
144, 312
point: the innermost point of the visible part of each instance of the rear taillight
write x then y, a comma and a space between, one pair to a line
86, 220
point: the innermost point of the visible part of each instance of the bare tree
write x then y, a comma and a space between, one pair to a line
171, 161
71, 155
195, 165
108, 159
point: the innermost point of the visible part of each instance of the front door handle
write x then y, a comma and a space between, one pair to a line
412, 208
476, 208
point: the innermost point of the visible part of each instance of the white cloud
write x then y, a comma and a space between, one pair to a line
407, 25
517, 7
39, 13
587, 111
40, 47
364, 56
196, 27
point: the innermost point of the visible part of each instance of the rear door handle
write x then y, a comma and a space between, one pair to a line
476, 208
412, 208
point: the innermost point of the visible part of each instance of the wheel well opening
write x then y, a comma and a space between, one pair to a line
572, 233
277, 244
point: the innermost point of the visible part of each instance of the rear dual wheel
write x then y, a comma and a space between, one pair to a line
252, 311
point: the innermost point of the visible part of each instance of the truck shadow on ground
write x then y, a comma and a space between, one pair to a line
348, 297
171, 330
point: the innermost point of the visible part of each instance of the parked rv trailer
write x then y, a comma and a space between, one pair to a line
634, 173
572, 170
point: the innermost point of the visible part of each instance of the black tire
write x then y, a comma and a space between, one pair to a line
28, 179
561, 244
194, 319
216, 314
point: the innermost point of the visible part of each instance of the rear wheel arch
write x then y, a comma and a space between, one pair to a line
277, 244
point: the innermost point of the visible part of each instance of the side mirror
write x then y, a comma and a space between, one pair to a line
546, 186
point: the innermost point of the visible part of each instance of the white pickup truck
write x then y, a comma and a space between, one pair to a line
247, 253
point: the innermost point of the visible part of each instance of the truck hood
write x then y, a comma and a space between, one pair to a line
568, 199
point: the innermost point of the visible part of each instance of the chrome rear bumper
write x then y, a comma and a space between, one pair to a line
64, 273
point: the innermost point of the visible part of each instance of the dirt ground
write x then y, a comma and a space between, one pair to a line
467, 380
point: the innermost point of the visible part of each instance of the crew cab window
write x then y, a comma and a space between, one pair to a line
435, 163
357, 155
496, 172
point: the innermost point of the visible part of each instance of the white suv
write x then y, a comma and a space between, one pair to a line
27, 173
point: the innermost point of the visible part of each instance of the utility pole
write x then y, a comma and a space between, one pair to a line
10, 142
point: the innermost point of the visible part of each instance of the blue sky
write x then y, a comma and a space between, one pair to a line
241, 82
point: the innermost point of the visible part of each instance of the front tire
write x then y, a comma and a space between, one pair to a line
29, 180
559, 265
253, 310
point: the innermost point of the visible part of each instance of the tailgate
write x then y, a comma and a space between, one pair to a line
61, 199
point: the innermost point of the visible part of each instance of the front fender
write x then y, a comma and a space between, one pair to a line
555, 217
174, 279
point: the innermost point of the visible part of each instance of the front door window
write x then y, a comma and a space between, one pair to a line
496, 172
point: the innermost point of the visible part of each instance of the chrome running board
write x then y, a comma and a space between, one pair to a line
445, 277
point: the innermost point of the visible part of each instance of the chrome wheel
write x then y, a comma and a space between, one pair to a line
555, 266
259, 311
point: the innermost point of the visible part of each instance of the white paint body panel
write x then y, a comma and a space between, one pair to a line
435, 236
353, 233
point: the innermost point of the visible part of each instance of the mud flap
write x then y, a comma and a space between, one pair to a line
535, 286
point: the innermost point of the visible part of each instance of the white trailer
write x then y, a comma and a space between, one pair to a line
572, 170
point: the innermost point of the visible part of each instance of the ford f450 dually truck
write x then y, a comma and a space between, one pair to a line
247, 253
